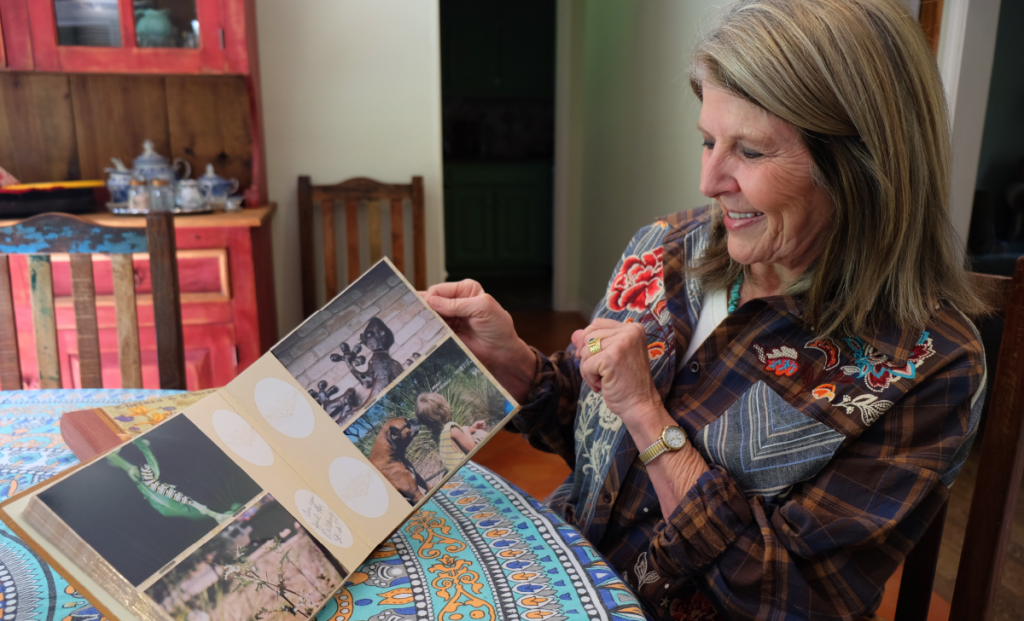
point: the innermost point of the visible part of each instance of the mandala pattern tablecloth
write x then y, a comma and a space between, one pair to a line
480, 550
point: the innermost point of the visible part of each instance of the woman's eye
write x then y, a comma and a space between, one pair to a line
708, 143
751, 155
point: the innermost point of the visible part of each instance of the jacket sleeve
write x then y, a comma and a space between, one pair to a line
548, 418
826, 550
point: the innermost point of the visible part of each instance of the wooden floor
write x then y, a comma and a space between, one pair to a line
539, 473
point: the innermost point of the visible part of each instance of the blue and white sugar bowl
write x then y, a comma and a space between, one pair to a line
118, 181
151, 165
216, 187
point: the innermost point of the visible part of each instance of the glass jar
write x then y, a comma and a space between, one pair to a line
138, 197
162, 195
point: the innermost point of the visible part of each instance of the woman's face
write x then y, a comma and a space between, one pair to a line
759, 172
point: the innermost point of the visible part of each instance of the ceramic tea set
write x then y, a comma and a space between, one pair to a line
156, 184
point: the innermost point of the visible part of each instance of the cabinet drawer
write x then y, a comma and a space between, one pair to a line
202, 276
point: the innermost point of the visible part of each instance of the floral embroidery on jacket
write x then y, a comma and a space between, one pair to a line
780, 361
876, 368
869, 406
825, 391
656, 350
638, 283
828, 347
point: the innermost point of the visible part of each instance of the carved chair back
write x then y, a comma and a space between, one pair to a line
998, 479
45, 235
348, 195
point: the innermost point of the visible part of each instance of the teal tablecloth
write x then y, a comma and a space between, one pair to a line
480, 550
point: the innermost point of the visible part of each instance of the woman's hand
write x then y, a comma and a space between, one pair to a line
487, 330
621, 371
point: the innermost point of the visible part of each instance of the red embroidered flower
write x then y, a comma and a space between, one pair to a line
827, 347
637, 283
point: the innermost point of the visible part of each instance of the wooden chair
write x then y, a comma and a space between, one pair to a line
350, 193
47, 234
998, 481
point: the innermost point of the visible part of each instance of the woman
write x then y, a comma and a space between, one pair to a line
807, 332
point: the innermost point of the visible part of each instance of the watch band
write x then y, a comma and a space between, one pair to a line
661, 445
653, 451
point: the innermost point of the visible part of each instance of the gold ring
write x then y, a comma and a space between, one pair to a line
595, 346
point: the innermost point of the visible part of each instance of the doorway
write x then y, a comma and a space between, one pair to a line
497, 86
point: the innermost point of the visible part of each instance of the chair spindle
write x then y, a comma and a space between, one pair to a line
83, 293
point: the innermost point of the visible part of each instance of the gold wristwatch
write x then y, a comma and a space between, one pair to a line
672, 439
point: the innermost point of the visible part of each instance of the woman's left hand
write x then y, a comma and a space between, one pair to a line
621, 370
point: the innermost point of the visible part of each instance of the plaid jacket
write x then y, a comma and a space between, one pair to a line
828, 457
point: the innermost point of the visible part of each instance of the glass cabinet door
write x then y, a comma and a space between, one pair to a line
93, 23
166, 23
135, 36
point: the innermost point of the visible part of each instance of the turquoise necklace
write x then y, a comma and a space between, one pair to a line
734, 293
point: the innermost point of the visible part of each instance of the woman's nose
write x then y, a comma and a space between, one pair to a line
715, 178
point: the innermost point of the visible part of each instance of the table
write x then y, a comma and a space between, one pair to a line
480, 549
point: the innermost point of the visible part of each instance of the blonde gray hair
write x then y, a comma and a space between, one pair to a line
858, 82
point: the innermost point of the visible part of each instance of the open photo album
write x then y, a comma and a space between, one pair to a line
259, 499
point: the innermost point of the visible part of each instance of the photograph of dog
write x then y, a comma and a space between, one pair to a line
351, 350
388, 456
423, 428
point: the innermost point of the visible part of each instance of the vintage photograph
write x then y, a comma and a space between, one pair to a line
424, 426
346, 353
264, 565
145, 503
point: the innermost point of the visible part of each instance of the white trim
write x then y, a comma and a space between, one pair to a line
966, 51
568, 189
951, 48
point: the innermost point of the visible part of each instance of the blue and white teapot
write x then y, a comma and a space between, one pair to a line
216, 187
151, 165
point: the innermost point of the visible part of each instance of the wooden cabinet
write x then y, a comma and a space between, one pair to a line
116, 36
82, 81
61, 93
227, 302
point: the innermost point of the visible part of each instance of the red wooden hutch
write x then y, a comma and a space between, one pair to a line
67, 106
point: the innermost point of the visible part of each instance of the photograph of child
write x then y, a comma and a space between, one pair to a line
454, 441
348, 352
264, 565
146, 502
425, 425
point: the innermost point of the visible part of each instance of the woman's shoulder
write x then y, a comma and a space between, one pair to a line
948, 334
690, 219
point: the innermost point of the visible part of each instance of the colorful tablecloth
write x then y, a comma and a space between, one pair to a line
480, 550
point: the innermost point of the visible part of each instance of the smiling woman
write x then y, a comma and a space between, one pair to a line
761, 175
806, 335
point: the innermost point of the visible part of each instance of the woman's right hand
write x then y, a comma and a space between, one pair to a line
487, 330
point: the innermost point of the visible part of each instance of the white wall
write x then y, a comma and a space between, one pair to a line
350, 88
632, 117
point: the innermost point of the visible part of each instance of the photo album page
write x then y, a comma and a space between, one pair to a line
259, 499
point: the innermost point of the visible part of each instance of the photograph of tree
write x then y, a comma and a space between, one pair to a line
146, 502
427, 423
264, 566
350, 350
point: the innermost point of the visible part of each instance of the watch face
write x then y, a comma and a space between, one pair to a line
675, 438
